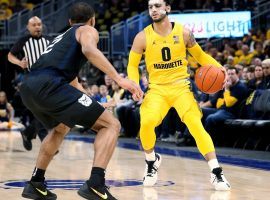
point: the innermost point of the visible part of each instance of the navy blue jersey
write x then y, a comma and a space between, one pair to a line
240, 92
63, 55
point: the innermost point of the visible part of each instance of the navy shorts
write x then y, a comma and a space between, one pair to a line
52, 101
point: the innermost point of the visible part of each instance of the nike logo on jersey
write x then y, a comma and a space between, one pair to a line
103, 196
44, 193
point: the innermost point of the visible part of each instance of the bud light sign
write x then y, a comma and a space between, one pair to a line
218, 24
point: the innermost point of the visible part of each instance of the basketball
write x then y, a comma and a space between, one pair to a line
209, 79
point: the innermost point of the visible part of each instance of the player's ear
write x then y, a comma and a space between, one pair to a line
168, 9
93, 21
70, 22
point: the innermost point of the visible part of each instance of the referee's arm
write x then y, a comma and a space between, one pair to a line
13, 59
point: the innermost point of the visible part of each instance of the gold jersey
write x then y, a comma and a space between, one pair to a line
165, 57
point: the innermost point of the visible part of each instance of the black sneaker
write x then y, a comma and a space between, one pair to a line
26, 142
37, 191
91, 193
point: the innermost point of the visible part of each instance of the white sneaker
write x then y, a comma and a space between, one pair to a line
221, 195
218, 180
150, 193
151, 169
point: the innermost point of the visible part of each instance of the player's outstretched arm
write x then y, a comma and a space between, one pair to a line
88, 37
135, 56
196, 51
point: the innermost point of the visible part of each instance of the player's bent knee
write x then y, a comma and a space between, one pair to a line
115, 125
149, 121
61, 129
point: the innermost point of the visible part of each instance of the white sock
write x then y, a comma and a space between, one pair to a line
213, 164
150, 156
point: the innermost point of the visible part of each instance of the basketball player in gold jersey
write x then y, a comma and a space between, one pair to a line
164, 46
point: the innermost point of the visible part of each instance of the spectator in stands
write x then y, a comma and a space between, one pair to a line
104, 96
213, 52
257, 61
246, 58
230, 60
5, 11
7, 114
267, 49
118, 92
244, 76
257, 82
266, 73
240, 70
239, 51
108, 83
95, 92
6, 109
24, 53
227, 105
250, 73
258, 50
207, 100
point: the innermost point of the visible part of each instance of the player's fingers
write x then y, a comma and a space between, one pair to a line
138, 95
139, 92
135, 98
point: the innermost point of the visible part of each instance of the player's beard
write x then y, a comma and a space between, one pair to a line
160, 19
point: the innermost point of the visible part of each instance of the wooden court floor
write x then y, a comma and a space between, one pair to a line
179, 178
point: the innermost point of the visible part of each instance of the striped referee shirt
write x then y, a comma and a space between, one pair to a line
30, 47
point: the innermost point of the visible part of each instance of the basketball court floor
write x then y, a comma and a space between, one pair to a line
183, 174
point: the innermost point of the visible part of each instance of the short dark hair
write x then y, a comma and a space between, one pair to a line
168, 2
233, 68
81, 12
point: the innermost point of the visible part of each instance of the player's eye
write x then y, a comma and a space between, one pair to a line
157, 5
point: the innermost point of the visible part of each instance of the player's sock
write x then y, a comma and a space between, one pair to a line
38, 175
213, 164
97, 177
150, 156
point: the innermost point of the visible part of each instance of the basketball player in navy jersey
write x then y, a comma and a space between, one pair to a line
52, 92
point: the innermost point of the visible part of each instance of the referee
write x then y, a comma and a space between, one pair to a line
28, 49
25, 53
